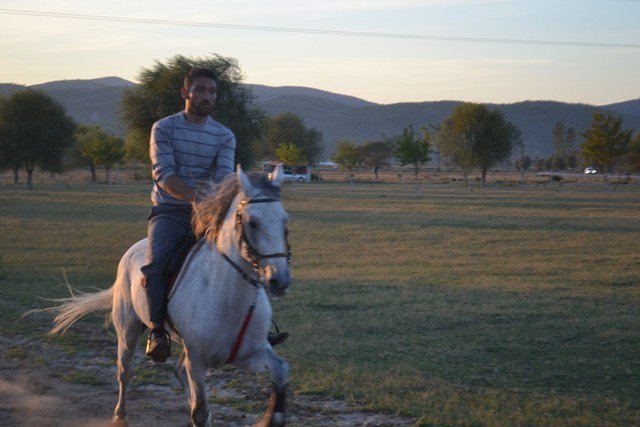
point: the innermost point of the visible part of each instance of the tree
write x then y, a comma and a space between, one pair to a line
36, 130
8, 148
474, 136
569, 141
559, 139
104, 150
634, 153
75, 156
376, 155
605, 141
347, 155
158, 95
288, 128
524, 163
563, 144
291, 155
410, 150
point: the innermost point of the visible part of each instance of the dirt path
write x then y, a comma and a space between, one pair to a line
44, 383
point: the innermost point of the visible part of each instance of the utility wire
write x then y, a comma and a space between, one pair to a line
313, 31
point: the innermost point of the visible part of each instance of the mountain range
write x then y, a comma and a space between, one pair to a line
96, 102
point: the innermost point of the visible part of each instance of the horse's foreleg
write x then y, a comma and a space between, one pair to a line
180, 372
128, 337
267, 359
196, 371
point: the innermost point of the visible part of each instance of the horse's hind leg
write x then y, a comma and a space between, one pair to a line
128, 329
267, 359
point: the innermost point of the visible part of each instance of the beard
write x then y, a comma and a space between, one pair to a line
203, 109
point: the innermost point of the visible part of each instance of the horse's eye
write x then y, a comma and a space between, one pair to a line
253, 224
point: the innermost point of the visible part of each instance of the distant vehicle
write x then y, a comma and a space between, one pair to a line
590, 171
297, 177
328, 164
299, 174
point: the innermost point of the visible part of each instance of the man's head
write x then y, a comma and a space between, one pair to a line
200, 91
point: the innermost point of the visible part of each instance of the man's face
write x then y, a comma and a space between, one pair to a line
201, 97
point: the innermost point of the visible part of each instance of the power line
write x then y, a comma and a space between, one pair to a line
313, 31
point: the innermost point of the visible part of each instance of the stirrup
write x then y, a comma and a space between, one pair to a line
159, 345
276, 337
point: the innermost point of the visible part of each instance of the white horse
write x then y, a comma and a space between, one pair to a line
218, 308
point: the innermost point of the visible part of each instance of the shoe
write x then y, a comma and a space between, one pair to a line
159, 345
277, 338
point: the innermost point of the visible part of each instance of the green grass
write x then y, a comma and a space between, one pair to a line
78, 377
503, 305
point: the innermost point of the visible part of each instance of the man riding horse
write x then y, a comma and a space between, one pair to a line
187, 150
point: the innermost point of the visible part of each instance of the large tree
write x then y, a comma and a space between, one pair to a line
35, 131
158, 95
288, 128
376, 155
605, 142
474, 136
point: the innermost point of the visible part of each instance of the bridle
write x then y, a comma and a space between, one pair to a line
254, 259
253, 255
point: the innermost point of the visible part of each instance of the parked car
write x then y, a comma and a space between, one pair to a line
299, 174
590, 171
297, 177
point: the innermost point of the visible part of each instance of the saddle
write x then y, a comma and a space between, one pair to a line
173, 266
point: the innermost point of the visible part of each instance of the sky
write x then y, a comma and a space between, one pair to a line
413, 50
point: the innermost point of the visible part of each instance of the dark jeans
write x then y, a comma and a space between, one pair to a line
168, 225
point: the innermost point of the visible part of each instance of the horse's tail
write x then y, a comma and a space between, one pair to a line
75, 307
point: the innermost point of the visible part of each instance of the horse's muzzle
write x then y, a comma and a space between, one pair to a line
277, 278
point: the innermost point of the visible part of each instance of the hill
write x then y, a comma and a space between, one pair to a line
269, 93
96, 102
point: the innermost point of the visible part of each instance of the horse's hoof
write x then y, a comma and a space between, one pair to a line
119, 422
277, 420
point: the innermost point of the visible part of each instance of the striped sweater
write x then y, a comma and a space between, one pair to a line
195, 153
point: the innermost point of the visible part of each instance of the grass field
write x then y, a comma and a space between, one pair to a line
506, 305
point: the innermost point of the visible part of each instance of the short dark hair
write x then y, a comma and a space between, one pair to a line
198, 72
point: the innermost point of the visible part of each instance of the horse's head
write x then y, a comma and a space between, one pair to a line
262, 223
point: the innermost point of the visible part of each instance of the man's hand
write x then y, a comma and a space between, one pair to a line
175, 186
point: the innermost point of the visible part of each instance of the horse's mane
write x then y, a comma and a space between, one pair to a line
210, 210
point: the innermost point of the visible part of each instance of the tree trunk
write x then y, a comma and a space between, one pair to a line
15, 175
484, 176
109, 177
92, 168
30, 179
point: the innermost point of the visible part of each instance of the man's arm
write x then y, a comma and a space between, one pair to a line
175, 186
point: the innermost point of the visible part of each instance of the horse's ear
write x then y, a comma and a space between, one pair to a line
278, 175
245, 182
